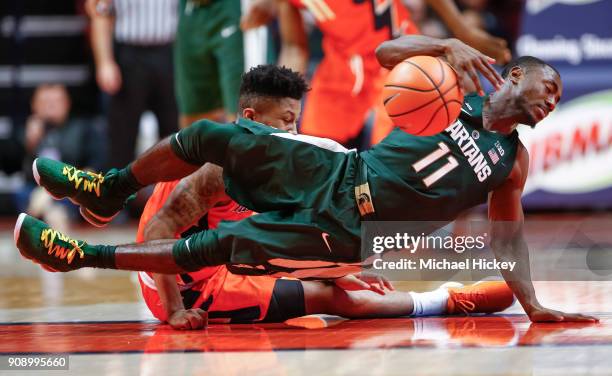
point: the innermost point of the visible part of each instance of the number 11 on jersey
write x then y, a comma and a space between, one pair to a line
431, 158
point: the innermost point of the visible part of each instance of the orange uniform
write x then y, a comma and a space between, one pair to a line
214, 289
348, 82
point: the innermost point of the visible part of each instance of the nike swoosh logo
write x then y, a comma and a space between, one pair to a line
325, 236
228, 31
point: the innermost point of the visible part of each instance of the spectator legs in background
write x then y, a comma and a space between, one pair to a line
127, 106
161, 96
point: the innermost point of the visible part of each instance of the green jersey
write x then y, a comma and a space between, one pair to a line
435, 178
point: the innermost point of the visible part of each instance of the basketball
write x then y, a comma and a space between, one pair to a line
421, 95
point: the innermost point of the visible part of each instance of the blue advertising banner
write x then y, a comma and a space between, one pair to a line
571, 150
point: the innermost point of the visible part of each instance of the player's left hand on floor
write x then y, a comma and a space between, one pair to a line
365, 281
189, 319
550, 315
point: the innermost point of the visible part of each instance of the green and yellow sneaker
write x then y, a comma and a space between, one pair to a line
87, 189
51, 249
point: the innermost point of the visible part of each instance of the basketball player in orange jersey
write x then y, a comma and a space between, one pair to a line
199, 202
347, 83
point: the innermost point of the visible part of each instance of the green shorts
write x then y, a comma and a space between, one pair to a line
208, 56
303, 187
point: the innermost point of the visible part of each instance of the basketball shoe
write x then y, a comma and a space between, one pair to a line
98, 197
481, 297
55, 251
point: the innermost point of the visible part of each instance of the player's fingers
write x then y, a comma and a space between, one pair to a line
201, 312
490, 74
464, 80
579, 318
180, 324
352, 283
361, 285
388, 284
193, 320
198, 321
202, 317
470, 72
377, 288
498, 76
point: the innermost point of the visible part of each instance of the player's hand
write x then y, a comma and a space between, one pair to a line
497, 48
189, 319
259, 13
542, 314
108, 77
467, 62
364, 281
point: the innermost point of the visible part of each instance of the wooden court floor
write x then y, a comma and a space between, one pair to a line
98, 318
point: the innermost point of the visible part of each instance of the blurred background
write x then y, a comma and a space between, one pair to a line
57, 90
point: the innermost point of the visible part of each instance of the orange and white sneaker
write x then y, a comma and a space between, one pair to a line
481, 297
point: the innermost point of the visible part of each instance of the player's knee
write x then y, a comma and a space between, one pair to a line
198, 251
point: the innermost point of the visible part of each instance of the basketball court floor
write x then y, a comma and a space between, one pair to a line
98, 318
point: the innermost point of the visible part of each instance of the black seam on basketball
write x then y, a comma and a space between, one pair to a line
409, 88
390, 98
451, 101
433, 83
423, 105
430, 120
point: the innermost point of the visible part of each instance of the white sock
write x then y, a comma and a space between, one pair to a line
429, 303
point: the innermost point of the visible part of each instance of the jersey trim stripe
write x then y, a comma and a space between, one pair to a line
323, 143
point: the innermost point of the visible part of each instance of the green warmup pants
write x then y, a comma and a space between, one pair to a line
301, 186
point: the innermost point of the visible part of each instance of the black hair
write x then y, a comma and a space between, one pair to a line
526, 62
270, 81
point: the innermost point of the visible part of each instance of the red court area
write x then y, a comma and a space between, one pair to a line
307, 333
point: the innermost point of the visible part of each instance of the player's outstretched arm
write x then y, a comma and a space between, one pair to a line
188, 202
466, 61
508, 243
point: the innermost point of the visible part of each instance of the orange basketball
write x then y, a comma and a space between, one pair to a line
421, 95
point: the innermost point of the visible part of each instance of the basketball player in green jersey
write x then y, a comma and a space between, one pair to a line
312, 194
